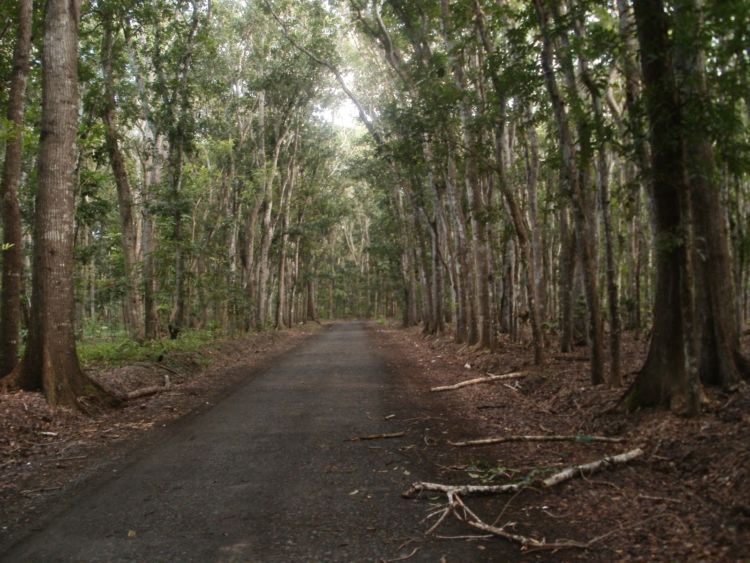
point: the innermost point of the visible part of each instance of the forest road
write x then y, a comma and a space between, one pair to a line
267, 474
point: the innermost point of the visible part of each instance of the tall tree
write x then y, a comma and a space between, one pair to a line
12, 256
669, 376
132, 305
50, 362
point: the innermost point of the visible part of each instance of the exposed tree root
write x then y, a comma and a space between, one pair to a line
547, 438
487, 379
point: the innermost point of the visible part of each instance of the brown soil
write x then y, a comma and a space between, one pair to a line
43, 453
686, 499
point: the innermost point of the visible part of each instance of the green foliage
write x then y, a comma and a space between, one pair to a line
100, 347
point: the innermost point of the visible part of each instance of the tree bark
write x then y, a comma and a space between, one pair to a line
720, 360
12, 255
669, 376
50, 362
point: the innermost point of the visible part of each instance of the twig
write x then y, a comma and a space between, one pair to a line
487, 379
169, 369
467, 538
377, 436
524, 541
72, 458
404, 557
543, 438
664, 499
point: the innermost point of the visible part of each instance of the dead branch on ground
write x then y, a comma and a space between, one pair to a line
542, 438
146, 391
559, 477
462, 512
377, 436
487, 379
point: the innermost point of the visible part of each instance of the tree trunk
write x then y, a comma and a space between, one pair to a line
50, 362
286, 208
311, 299
576, 175
615, 378
669, 376
720, 360
132, 307
567, 281
152, 179
12, 255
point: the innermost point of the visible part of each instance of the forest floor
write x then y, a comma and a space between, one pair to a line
43, 453
686, 499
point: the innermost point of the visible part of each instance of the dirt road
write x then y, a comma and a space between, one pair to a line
267, 474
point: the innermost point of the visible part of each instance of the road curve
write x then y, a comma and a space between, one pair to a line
267, 474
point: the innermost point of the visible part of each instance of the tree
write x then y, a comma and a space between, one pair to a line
12, 256
50, 362
132, 305
669, 376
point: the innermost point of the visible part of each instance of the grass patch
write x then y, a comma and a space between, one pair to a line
121, 350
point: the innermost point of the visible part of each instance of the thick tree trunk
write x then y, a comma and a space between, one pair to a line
669, 376
132, 306
50, 362
12, 254
312, 314
720, 360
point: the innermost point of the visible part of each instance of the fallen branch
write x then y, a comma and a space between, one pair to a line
464, 513
589, 468
487, 379
377, 436
559, 477
545, 438
146, 391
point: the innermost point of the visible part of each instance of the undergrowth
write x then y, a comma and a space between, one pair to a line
121, 350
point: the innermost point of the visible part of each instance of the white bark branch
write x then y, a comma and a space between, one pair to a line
487, 379
548, 438
559, 477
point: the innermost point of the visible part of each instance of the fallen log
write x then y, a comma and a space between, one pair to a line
559, 477
487, 379
542, 438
